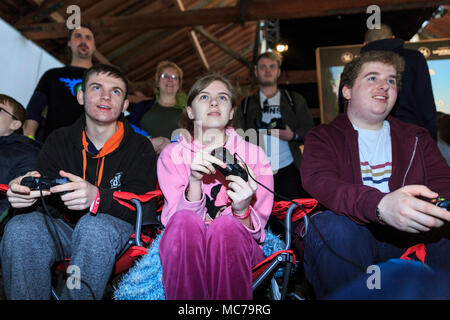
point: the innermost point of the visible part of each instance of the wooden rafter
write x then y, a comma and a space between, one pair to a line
255, 10
223, 46
194, 40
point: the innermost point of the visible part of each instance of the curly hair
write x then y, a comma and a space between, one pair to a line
353, 68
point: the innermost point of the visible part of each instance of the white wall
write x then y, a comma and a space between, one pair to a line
22, 63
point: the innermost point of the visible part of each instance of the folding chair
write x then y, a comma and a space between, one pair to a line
145, 280
137, 244
284, 259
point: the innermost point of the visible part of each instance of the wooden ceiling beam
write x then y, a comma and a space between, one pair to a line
42, 12
194, 39
222, 46
255, 10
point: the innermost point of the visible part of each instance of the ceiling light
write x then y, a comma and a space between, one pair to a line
282, 47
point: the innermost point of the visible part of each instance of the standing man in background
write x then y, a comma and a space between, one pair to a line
281, 115
58, 87
415, 103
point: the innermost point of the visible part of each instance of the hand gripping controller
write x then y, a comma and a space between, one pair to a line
441, 202
233, 168
42, 183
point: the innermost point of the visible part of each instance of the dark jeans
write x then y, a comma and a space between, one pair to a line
349, 249
33, 242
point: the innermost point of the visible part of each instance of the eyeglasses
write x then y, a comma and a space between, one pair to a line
171, 76
4, 110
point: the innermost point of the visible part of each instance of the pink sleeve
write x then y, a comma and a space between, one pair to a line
262, 204
173, 180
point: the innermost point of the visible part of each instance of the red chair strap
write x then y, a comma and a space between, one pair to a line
418, 249
124, 198
280, 208
136, 251
4, 188
263, 265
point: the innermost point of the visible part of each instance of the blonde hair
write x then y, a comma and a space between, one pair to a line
271, 55
159, 71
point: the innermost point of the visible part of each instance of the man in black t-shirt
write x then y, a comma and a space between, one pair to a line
58, 87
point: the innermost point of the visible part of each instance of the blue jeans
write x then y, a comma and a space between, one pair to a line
33, 242
349, 249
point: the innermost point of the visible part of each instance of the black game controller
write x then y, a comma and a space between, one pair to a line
42, 183
441, 202
233, 168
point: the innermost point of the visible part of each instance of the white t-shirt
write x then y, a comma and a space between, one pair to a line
277, 150
375, 156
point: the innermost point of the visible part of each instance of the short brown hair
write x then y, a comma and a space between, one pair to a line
69, 38
272, 55
353, 68
383, 32
201, 83
109, 70
18, 111
159, 70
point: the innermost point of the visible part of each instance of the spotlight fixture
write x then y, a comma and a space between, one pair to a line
282, 47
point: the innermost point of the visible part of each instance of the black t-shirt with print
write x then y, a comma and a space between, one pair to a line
57, 89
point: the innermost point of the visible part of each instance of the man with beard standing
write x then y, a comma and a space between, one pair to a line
282, 119
58, 87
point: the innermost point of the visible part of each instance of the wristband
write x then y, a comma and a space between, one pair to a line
295, 137
244, 216
95, 204
31, 136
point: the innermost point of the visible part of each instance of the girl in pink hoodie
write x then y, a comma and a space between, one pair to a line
214, 225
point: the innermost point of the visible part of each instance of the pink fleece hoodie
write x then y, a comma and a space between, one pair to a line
173, 175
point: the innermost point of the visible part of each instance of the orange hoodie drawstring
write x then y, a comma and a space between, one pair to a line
109, 147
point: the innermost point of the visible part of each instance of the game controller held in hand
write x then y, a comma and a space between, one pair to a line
441, 202
232, 168
42, 183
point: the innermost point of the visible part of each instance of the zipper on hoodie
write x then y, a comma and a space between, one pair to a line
410, 161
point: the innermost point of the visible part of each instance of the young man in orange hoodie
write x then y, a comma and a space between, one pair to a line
97, 155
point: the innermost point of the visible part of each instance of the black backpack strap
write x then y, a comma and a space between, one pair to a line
290, 100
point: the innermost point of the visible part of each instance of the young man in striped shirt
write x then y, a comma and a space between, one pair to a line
376, 175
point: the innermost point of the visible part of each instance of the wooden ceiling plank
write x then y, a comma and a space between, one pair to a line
153, 52
222, 46
43, 11
256, 10
194, 40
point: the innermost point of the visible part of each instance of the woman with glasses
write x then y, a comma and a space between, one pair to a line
158, 116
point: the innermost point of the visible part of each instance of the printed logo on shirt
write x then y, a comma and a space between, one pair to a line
74, 85
116, 182
271, 109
